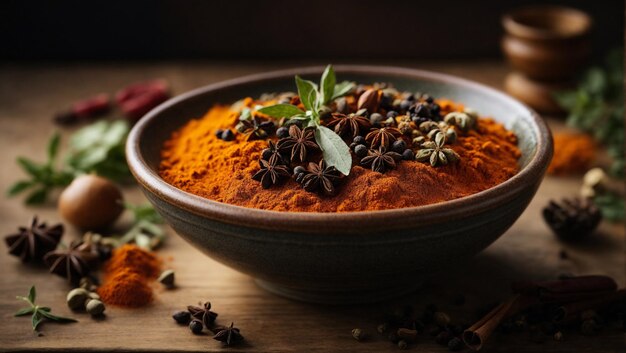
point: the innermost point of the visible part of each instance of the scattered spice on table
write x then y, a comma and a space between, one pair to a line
573, 153
572, 219
127, 277
339, 147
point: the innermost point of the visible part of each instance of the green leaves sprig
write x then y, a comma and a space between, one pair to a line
38, 313
43, 177
313, 97
97, 148
597, 107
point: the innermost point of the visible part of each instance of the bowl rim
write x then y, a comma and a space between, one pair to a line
514, 22
344, 222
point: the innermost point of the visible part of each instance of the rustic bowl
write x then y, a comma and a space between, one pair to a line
547, 42
342, 257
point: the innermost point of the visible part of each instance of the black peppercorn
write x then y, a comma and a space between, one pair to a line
398, 146
359, 140
182, 317
228, 135
195, 326
443, 337
455, 344
360, 151
299, 172
429, 99
405, 104
392, 114
408, 155
353, 145
376, 119
218, 133
282, 132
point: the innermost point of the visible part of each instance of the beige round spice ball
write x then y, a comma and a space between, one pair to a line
91, 202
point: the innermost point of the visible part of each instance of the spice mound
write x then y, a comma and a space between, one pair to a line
127, 277
339, 147
573, 153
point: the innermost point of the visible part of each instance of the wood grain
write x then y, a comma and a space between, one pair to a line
28, 96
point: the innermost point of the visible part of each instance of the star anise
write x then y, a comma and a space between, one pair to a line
229, 335
298, 143
271, 172
321, 178
72, 263
384, 137
255, 128
381, 160
272, 151
350, 124
572, 219
31, 244
203, 314
435, 153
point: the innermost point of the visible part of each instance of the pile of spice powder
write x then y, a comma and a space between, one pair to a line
127, 275
194, 159
573, 153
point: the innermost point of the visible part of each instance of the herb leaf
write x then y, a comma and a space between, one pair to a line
25, 311
48, 315
336, 153
328, 84
53, 147
281, 110
39, 312
38, 196
307, 91
19, 186
342, 88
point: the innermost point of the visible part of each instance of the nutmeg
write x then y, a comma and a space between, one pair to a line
91, 202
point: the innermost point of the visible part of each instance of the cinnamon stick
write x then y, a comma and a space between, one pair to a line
566, 290
476, 336
570, 311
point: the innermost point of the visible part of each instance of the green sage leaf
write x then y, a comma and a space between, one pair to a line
30, 167
37, 197
32, 295
36, 319
281, 110
342, 88
335, 152
53, 147
19, 186
328, 84
56, 318
25, 311
307, 91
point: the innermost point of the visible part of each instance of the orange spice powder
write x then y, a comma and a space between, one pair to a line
196, 161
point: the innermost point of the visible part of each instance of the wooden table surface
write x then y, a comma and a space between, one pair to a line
28, 96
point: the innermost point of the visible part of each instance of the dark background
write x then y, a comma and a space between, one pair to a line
241, 29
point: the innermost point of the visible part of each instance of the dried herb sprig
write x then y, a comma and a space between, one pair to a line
313, 97
39, 313
43, 177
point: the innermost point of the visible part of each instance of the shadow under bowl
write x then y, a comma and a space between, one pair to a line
348, 257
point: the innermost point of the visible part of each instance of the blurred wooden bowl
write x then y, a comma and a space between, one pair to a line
547, 42
537, 94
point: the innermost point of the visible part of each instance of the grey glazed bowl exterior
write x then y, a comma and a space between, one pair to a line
342, 257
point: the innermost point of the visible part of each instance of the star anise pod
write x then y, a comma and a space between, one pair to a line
203, 314
381, 160
32, 243
435, 153
271, 172
572, 219
229, 335
255, 128
72, 263
298, 143
350, 124
321, 178
272, 151
384, 137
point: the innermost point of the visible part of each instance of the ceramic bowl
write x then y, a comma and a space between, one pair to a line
547, 42
342, 257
